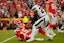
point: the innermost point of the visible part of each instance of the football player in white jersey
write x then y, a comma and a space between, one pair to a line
41, 22
41, 12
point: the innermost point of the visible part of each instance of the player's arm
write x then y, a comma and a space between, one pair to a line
47, 8
33, 8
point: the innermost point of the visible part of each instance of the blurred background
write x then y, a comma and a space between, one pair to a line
10, 9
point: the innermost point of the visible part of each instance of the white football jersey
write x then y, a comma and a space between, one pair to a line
41, 12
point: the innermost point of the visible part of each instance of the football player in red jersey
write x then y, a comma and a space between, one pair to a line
51, 11
22, 33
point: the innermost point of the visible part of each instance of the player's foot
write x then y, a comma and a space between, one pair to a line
30, 40
50, 36
60, 31
53, 34
39, 39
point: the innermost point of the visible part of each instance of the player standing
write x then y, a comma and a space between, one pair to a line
43, 20
51, 10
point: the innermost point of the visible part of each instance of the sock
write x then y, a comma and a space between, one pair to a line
29, 32
42, 31
51, 32
34, 32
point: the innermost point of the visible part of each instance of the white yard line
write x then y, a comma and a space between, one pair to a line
7, 39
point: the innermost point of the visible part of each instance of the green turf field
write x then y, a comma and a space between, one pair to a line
10, 33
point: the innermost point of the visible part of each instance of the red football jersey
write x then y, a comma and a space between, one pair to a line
52, 8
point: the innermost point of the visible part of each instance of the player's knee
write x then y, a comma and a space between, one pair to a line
56, 25
50, 25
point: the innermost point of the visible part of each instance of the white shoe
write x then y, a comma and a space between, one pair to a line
30, 40
50, 37
54, 35
39, 39
60, 31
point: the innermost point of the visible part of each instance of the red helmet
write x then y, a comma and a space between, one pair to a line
17, 22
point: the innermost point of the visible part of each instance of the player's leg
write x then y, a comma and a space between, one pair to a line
44, 32
50, 25
47, 30
59, 30
37, 24
56, 25
19, 35
33, 34
35, 30
62, 28
50, 30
